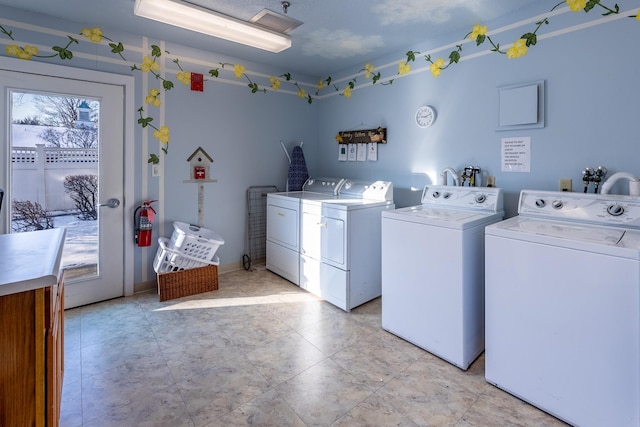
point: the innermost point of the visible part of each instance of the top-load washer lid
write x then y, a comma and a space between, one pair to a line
444, 217
601, 223
615, 241
454, 207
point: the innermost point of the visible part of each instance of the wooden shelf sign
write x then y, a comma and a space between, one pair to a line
365, 136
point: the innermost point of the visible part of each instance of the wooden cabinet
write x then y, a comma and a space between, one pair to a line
32, 355
54, 299
32, 335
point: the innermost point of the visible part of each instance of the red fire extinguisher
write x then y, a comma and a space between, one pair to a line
143, 220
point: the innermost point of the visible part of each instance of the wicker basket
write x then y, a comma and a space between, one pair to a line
183, 283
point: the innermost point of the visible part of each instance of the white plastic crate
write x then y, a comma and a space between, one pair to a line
194, 241
168, 259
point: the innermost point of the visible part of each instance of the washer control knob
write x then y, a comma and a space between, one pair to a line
436, 194
347, 185
481, 198
541, 203
615, 210
557, 204
446, 195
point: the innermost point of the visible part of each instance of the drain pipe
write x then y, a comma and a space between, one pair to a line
634, 183
443, 176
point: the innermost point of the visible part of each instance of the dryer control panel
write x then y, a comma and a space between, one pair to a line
603, 209
323, 185
376, 190
488, 199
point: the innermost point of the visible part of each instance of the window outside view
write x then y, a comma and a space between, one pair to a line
54, 183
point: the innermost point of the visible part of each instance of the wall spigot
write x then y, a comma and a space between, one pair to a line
469, 174
596, 176
599, 175
587, 174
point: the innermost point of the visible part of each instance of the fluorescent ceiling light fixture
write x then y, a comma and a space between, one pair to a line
206, 21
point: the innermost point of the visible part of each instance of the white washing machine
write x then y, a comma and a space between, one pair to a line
283, 224
340, 243
433, 270
563, 306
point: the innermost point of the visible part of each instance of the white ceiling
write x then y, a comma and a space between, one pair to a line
336, 35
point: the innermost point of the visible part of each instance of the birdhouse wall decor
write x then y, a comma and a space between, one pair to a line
200, 165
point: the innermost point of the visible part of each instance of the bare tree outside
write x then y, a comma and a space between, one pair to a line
70, 138
57, 110
29, 216
83, 190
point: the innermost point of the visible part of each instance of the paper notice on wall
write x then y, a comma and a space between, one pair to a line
342, 152
362, 152
516, 154
372, 151
352, 154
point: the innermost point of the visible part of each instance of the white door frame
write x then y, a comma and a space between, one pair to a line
127, 82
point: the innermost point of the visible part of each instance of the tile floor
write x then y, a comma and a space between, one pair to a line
260, 351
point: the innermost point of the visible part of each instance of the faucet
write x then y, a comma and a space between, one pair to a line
634, 183
452, 172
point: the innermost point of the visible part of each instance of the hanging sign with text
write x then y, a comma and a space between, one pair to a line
378, 135
516, 154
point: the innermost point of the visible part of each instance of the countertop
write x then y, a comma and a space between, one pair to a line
30, 260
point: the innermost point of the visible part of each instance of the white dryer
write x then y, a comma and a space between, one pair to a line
433, 270
340, 243
283, 224
563, 306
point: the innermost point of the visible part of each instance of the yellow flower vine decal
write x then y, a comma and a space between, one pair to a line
403, 66
375, 77
479, 33
519, 48
152, 98
436, 66
368, 70
95, 35
26, 52
239, 71
275, 82
184, 77
346, 92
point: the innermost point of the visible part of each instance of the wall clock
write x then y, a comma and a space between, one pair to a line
425, 116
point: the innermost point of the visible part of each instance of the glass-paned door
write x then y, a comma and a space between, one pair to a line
65, 153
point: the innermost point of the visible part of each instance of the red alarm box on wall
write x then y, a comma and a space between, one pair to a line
198, 172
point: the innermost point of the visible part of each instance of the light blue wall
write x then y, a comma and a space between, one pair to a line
240, 130
592, 111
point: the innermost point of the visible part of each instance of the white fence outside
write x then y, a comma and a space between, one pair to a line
39, 172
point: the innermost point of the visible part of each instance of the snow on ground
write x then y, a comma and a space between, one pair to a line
81, 244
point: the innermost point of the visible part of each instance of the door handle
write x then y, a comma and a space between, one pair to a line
111, 203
